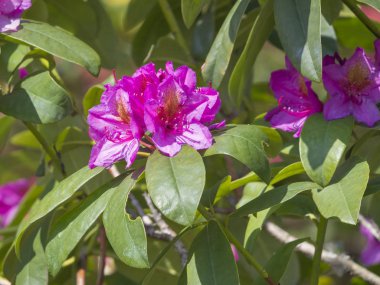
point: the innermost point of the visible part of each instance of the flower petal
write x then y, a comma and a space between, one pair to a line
337, 107
166, 143
366, 112
197, 136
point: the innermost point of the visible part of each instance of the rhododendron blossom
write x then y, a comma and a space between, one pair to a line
10, 13
353, 86
11, 195
296, 100
165, 104
371, 254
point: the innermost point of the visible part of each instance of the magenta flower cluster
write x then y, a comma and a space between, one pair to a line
353, 86
11, 195
10, 13
156, 109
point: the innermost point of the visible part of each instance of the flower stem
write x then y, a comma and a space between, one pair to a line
143, 154
173, 24
251, 260
362, 17
322, 226
49, 150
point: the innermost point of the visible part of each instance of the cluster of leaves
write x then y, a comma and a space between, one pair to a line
326, 173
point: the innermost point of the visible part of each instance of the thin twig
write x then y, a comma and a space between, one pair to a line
371, 226
102, 257
338, 261
164, 228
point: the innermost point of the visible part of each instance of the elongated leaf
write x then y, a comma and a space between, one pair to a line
39, 99
67, 231
288, 171
6, 124
212, 262
277, 264
241, 78
176, 183
92, 98
60, 193
274, 197
219, 55
58, 42
127, 237
190, 10
342, 199
322, 145
374, 3
137, 11
244, 143
298, 24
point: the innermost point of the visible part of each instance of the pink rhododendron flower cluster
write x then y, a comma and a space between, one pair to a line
163, 108
10, 13
353, 86
11, 195
296, 100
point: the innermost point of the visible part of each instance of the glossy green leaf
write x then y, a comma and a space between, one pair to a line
39, 99
137, 11
176, 183
212, 262
298, 24
374, 3
126, 236
342, 198
92, 98
219, 55
58, 195
58, 42
244, 143
25, 139
241, 77
274, 197
190, 10
288, 171
277, 264
69, 228
322, 145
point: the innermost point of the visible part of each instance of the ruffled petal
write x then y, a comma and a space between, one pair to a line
337, 107
197, 136
166, 143
8, 24
366, 112
213, 103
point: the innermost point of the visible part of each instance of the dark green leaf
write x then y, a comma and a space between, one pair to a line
342, 199
176, 183
244, 143
190, 10
6, 124
298, 24
60, 193
212, 262
68, 229
241, 78
288, 171
127, 237
322, 145
219, 55
39, 99
274, 197
137, 11
58, 42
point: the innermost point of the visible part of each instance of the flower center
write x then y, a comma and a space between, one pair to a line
358, 78
123, 113
170, 111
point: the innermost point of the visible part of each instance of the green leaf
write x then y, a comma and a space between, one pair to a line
57, 196
288, 171
190, 10
92, 98
274, 197
343, 197
127, 237
212, 261
374, 3
39, 99
241, 77
219, 55
176, 183
6, 124
25, 139
137, 11
277, 264
322, 145
58, 42
244, 143
68, 229
298, 24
